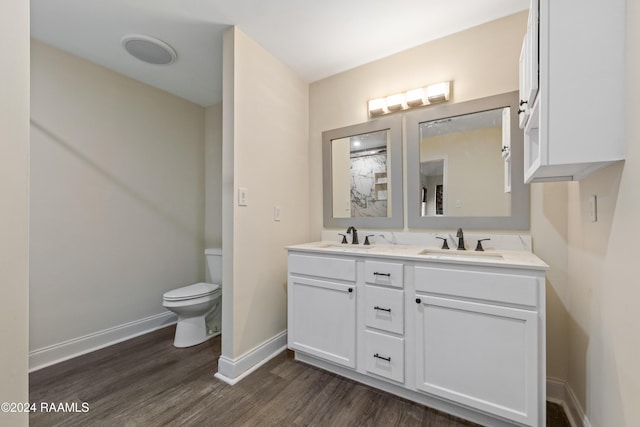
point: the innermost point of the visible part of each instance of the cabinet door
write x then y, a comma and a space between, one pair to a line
533, 60
322, 319
480, 355
529, 66
524, 82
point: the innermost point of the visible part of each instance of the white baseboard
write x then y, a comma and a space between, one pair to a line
559, 392
231, 371
56, 353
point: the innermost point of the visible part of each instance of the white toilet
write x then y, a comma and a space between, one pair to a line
198, 306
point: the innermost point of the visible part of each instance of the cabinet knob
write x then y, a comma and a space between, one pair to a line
350, 290
418, 300
522, 102
520, 110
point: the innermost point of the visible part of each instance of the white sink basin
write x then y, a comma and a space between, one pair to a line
460, 255
390, 248
346, 247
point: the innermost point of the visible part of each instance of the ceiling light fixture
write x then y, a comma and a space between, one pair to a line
149, 49
431, 94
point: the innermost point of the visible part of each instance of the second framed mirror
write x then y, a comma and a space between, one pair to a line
465, 166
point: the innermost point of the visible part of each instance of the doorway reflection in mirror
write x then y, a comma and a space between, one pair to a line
461, 166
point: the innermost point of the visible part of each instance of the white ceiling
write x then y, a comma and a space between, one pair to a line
315, 38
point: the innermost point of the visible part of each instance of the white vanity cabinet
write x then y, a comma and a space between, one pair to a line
464, 337
574, 121
478, 339
322, 307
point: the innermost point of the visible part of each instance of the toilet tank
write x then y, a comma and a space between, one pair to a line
214, 264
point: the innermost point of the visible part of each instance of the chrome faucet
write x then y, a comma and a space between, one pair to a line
460, 236
354, 239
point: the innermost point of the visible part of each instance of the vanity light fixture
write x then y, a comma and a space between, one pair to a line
438, 92
396, 102
414, 97
377, 106
431, 94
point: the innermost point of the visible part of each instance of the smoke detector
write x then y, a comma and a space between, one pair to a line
149, 49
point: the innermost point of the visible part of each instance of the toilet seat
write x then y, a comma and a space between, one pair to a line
191, 292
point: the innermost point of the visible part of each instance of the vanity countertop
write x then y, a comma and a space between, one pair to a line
493, 258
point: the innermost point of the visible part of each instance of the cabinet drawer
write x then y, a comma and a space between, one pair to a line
384, 309
384, 273
489, 286
325, 267
385, 355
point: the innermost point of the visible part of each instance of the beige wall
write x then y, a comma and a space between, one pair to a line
213, 176
604, 285
481, 61
14, 201
268, 153
549, 232
117, 197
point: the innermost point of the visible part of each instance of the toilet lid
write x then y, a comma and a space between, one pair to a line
192, 291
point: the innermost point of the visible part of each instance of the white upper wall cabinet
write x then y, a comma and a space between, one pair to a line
572, 88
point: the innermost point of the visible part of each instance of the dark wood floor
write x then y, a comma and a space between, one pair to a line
148, 382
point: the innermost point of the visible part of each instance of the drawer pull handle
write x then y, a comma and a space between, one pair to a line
418, 300
388, 310
377, 356
375, 273
350, 290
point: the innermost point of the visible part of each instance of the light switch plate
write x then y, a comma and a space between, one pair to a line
276, 213
593, 208
243, 196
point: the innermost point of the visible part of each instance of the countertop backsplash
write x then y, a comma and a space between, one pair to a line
506, 242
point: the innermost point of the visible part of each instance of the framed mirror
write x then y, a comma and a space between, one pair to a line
465, 166
362, 175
